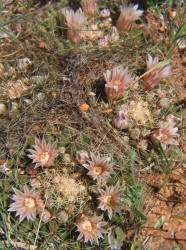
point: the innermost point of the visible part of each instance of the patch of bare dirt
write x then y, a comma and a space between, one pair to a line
179, 72
167, 202
154, 28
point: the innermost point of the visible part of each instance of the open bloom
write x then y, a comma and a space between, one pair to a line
75, 21
89, 7
153, 78
117, 81
91, 228
127, 16
44, 154
172, 118
25, 204
110, 199
121, 119
166, 133
99, 168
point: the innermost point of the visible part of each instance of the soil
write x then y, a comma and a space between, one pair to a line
167, 201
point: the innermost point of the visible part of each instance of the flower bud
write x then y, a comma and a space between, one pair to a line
82, 156
121, 119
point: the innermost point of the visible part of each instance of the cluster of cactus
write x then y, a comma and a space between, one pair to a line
118, 80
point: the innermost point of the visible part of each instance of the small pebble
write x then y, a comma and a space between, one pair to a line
172, 13
28, 101
23, 63
42, 45
62, 150
161, 29
3, 109
181, 44
184, 60
67, 158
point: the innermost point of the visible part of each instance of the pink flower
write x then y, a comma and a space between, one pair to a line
121, 120
128, 15
171, 118
105, 13
89, 7
82, 156
117, 81
75, 22
110, 199
99, 168
91, 228
25, 204
44, 154
153, 78
166, 134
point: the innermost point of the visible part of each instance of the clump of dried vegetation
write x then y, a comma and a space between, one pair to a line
88, 105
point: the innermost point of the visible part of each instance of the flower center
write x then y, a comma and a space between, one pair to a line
117, 82
30, 202
87, 226
45, 156
98, 170
108, 199
165, 137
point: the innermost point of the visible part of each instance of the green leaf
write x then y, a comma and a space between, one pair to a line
140, 215
175, 248
132, 155
180, 31
64, 236
120, 234
116, 237
162, 152
160, 222
116, 218
53, 226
